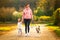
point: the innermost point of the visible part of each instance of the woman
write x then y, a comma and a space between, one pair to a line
27, 16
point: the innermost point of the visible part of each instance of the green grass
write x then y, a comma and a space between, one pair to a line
50, 24
55, 29
34, 25
7, 27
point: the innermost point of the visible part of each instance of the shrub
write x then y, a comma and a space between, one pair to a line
57, 17
57, 32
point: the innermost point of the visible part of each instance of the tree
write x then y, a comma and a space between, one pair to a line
57, 4
47, 6
6, 14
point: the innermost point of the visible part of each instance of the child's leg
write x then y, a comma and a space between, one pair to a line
19, 32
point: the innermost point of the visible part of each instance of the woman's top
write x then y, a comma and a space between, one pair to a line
27, 13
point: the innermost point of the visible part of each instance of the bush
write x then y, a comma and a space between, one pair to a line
55, 29
50, 24
45, 19
57, 17
39, 13
57, 32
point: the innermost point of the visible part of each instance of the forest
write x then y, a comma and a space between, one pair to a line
43, 10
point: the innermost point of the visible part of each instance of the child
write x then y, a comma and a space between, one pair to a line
38, 29
19, 26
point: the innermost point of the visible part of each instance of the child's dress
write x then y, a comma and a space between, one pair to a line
19, 28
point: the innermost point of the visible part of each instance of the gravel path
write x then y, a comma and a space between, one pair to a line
44, 34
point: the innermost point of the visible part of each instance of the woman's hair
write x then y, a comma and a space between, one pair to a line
27, 4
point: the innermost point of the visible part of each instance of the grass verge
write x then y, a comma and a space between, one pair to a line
4, 28
55, 29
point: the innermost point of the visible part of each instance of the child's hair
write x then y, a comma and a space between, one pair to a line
19, 19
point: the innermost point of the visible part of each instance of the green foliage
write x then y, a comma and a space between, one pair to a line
57, 32
39, 13
35, 18
7, 27
16, 16
57, 17
49, 13
6, 14
55, 29
50, 24
46, 19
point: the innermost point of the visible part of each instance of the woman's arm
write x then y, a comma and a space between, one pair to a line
32, 14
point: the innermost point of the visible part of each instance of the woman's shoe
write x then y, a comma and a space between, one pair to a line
25, 35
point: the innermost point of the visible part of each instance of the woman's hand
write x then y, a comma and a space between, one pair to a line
22, 21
